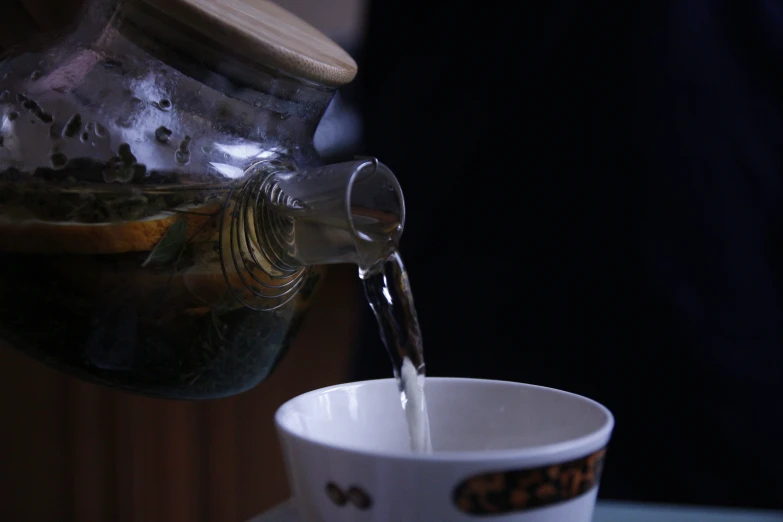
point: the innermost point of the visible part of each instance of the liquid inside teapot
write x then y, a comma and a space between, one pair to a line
124, 286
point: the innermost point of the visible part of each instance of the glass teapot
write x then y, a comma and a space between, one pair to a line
163, 210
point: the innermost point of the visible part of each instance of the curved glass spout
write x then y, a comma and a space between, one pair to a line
351, 212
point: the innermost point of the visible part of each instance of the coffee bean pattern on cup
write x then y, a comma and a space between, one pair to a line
519, 490
354, 495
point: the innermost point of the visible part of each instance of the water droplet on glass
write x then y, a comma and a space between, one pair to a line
85, 137
183, 153
13, 115
125, 154
88, 127
21, 97
100, 130
73, 127
36, 109
4, 96
118, 170
35, 75
164, 104
162, 134
58, 160
183, 157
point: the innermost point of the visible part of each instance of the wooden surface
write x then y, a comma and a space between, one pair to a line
259, 30
266, 33
75, 452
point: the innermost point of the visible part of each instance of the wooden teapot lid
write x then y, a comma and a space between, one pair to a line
266, 33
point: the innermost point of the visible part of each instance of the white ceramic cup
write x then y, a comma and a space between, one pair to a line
503, 452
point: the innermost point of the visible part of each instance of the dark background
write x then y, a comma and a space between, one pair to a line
594, 196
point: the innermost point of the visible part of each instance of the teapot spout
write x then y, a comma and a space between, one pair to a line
352, 212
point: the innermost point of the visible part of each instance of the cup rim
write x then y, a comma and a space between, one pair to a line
591, 441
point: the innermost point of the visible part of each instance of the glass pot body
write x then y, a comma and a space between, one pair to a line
122, 164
